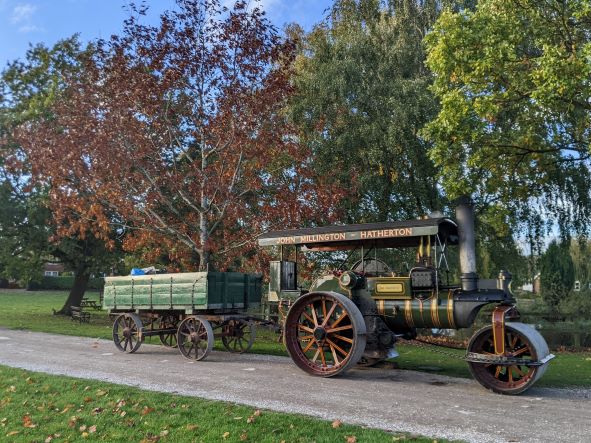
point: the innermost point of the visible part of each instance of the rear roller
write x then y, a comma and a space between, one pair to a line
195, 337
522, 342
325, 333
128, 332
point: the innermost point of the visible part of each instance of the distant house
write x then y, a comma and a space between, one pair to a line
53, 269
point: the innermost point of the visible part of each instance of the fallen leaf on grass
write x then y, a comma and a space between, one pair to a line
28, 422
146, 410
123, 414
192, 427
82, 428
244, 436
337, 424
164, 433
92, 429
150, 439
72, 421
11, 389
250, 419
48, 439
84, 434
87, 399
121, 403
10, 434
351, 439
29, 380
100, 392
257, 413
238, 418
225, 435
96, 411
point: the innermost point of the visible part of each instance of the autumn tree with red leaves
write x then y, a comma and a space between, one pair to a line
177, 135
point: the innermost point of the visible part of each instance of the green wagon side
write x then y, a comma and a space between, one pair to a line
187, 292
186, 310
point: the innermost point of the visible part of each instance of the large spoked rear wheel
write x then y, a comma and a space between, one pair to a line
521, 341
195, 338
128, 332
325, 333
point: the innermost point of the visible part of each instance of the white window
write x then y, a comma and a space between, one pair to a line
577, 285
51, 274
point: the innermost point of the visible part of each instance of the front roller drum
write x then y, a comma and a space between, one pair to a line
521, 342
325, 333
128, 332
195, 337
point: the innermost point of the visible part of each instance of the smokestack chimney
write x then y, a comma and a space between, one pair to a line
465, 218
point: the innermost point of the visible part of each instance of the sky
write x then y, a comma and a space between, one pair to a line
25, 22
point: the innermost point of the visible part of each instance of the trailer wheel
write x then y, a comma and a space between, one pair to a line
325, 333
168, 339
521, 341
238, 335
195, 337
128, 332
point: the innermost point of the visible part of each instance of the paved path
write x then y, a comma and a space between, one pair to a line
395, 400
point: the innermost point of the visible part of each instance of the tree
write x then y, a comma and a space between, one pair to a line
362, 98
557, 273
177, 135
512, 77
28, 89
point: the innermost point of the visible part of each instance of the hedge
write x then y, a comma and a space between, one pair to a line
63, 283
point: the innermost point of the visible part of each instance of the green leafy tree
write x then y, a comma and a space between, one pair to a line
512, 77
557, 273
28, 89
362, 97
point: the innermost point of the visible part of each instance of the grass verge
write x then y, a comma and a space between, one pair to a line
37, 407
32, 310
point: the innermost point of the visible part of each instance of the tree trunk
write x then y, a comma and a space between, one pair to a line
76, 293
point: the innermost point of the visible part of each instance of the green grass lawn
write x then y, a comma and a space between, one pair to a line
37, 407
33, 311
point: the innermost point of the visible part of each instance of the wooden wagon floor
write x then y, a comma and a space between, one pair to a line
399, 400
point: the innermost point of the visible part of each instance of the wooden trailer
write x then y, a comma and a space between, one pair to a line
185, 310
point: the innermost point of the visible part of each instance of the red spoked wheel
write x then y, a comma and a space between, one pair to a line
521, 341
128, 333
238, 335
195, 338
325, 333
168, 338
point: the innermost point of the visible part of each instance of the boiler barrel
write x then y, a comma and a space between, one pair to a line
440, 311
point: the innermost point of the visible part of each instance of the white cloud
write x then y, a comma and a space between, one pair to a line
266, 5
29, 28
22, 13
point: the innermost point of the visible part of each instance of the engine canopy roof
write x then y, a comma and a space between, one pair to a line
397, 234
